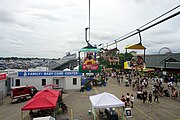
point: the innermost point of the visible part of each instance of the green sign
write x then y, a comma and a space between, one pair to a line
90, 69
89, 50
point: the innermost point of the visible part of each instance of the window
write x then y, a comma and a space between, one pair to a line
57, 82
20, 90
6, 83
12, 82
17, 82
74, 81
43, 82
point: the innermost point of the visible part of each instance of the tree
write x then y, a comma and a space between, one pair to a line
122, 58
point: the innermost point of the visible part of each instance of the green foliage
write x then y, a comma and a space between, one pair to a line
122, 58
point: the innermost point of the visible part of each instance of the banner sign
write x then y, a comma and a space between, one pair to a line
93, 69
51, 73
128, 112
3, 76
90, 67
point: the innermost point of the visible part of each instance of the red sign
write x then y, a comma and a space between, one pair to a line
2, 76
90, 67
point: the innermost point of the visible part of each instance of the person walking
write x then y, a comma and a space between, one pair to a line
133, 86
145, 93
150, 98
127, 99
132, 100
156, 96
130, 81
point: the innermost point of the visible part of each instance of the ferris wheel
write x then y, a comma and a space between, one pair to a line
164, 50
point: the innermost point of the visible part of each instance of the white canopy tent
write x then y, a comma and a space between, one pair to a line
44, 118
76, 68
66, 69
105, 100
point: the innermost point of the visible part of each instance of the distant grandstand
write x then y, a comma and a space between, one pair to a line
68, 61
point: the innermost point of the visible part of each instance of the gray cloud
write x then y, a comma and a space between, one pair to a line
46, 28
161, 32
15, 42
6, 16
102, 36
49, 17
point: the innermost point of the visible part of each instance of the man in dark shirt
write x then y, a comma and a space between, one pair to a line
156, 96
145, 96
150, 97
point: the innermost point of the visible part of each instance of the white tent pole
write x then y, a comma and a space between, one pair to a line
123, 114
94, 113
22, 115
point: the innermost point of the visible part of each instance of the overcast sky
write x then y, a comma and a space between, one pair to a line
50, 28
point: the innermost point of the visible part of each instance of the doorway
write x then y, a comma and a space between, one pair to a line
59, 82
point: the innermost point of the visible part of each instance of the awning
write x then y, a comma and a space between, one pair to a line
135, 46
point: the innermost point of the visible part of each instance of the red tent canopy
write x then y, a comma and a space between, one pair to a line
51, 85
45, 99
48, 92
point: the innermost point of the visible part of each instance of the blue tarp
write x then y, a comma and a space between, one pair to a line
84, 80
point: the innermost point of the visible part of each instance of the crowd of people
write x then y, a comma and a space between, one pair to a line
140, 84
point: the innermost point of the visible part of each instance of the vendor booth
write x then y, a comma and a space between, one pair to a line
46, 101
105, 100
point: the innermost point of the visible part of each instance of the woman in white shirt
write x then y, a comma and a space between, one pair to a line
132, 100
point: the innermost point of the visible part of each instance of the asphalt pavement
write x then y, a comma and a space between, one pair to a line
78, 104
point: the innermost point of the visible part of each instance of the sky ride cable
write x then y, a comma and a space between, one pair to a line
134, 32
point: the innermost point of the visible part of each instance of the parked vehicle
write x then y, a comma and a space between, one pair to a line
22, 93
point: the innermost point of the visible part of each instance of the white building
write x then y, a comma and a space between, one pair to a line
3, 85
64, 79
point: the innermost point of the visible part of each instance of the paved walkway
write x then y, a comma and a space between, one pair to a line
78, 104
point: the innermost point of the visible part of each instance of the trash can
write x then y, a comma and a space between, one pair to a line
88, 88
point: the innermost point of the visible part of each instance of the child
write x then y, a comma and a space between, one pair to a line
123, 99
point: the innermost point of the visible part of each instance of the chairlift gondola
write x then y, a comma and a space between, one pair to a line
140, 62
89, 63
112, 55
